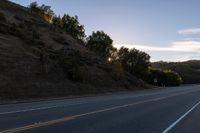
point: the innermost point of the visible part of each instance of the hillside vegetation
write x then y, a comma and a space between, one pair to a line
39, 59
189, 70
45, 55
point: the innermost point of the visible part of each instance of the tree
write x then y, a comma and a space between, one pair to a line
134, 61
72, 26
68, 23
44, 11
34, 7
100, 43
164, 77
141, 62
112, 55
57, 21
47, 12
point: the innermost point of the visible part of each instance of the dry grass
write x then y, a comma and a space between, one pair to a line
32, 54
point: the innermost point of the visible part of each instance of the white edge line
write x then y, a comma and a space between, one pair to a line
27, 110
179, 119
78, 103
35, 109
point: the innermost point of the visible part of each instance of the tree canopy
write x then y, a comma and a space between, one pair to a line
189, 70
100, 43
123, 60
70, 25
45, 11
134, 61
164, 77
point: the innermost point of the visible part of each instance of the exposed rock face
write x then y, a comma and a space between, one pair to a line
39, 60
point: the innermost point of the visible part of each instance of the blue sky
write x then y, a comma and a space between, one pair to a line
168, 30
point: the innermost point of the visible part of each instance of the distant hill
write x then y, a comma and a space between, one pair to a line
189, 70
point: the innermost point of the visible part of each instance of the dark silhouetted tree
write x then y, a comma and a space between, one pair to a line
100, 43
57, 21
123, 55
72, 26
134, 61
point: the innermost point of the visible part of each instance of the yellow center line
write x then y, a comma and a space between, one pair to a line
68, 118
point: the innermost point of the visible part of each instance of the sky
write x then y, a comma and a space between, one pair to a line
168, 30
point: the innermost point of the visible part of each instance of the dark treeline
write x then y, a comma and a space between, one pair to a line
189, 70
122, 60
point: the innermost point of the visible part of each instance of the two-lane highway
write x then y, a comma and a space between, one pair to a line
175, 109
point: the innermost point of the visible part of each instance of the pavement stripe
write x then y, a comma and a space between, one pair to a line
181, 118
27, 110
65, 119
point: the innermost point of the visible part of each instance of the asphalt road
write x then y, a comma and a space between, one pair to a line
173, 110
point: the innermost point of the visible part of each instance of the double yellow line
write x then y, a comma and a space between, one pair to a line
56, 121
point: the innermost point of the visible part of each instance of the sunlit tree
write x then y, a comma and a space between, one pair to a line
44, 11
164, 77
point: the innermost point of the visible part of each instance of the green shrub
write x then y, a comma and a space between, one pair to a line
164, 78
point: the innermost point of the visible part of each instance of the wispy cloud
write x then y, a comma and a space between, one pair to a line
179, 46
184, 58
187, 46
189, 31
143, 47
190, 39
188, 57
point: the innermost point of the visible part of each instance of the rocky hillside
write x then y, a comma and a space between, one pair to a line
38, 59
